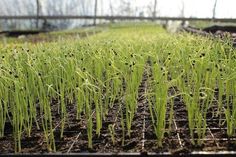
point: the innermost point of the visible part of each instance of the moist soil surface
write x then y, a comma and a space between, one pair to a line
142, 138
39, 37
216, 31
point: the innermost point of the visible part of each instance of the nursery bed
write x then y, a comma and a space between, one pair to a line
141, 142
72, 84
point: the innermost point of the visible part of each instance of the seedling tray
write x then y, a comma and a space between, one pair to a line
114, 139
143, 139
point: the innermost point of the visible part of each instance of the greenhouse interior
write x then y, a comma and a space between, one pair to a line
117, 78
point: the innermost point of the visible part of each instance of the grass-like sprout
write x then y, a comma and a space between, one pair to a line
158, 100
41, 83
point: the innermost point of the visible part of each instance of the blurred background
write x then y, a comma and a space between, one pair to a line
37, 14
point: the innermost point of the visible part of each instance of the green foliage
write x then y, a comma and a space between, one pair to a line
95, 73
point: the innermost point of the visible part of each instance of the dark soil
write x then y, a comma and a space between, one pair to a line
215, 31
20, 32
38, 37
142, 139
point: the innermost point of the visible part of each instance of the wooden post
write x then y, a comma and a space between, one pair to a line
214, 10
38, 8
154, 9
95, 12
111, 8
